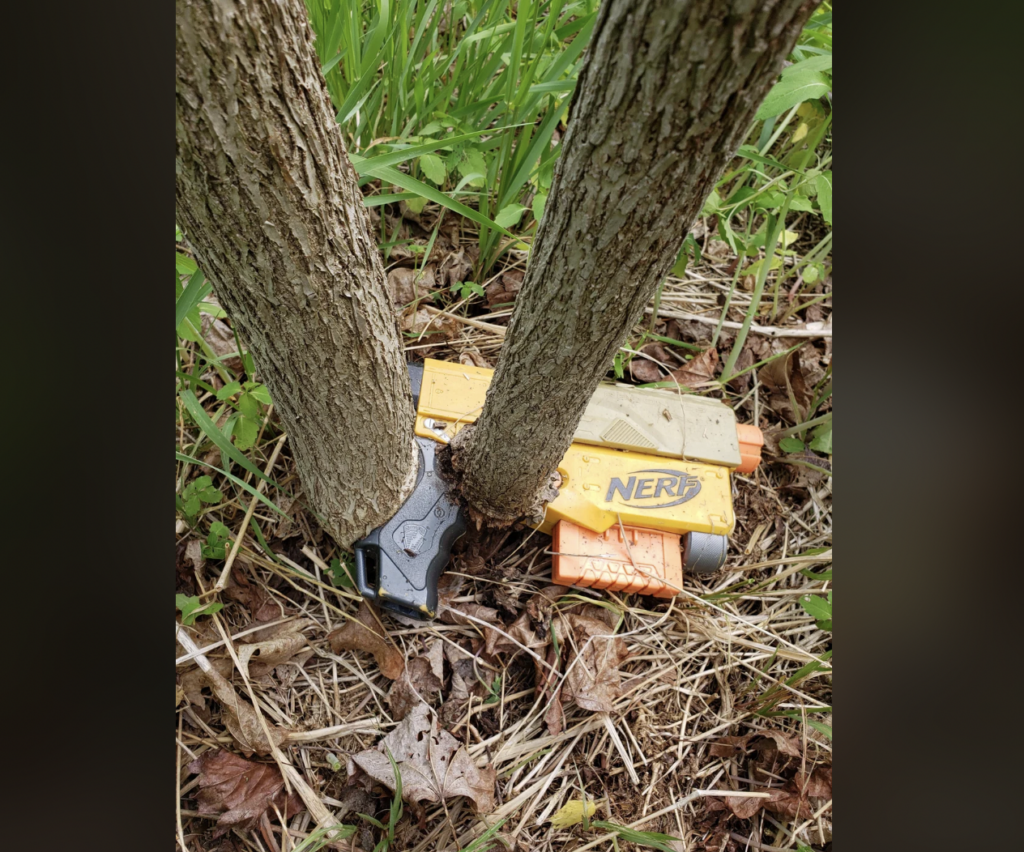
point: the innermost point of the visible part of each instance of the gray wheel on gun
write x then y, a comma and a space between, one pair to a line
704, 553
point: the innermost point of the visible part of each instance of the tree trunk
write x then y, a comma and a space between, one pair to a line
667, 93
269, 201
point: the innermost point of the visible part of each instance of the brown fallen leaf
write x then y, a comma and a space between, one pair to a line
405, 285
473, 358
533, 627
364, 633
433, 327
452, 611
784, 801
504, 291
592, 676
285, 527
419, 682
455, 268
195, 680
457, 614
755, 349
188, 558
260, 603
784, 381
701, 368
281, 647
242, 720
787, 802
240, 790
818, 785
554, 716
689, 331
469, 680
743, 806
784, 743
433, 764
644, 371
588, 653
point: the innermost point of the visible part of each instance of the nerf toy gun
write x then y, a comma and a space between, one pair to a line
645, 493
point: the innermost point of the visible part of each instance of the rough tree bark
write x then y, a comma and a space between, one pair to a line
269, 202
668, 90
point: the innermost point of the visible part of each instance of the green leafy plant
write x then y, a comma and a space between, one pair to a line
619, 363
808, 79
192, 608
197, 492
820, 440
819, 608
242, 399
342, 571
688, 252
216, 541
493, 691
245, 425
467, 289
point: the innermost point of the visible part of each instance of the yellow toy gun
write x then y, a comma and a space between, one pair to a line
645, 492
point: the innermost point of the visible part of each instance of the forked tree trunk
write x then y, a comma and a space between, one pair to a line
269, 202
667, 93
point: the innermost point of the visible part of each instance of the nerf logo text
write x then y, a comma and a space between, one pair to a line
656, 488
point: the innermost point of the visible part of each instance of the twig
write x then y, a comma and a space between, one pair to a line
770, 331
363, 726
485, 326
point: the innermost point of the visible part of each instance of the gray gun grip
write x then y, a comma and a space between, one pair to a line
398, 564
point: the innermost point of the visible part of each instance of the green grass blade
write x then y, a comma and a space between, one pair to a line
387, 198
193, 293
214, 434
490, 32
392, 175
554, 86
652, 839
364, 165
524, 14
375, 40
478, 845
533, 155
354, 98
329, 65
776, 228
